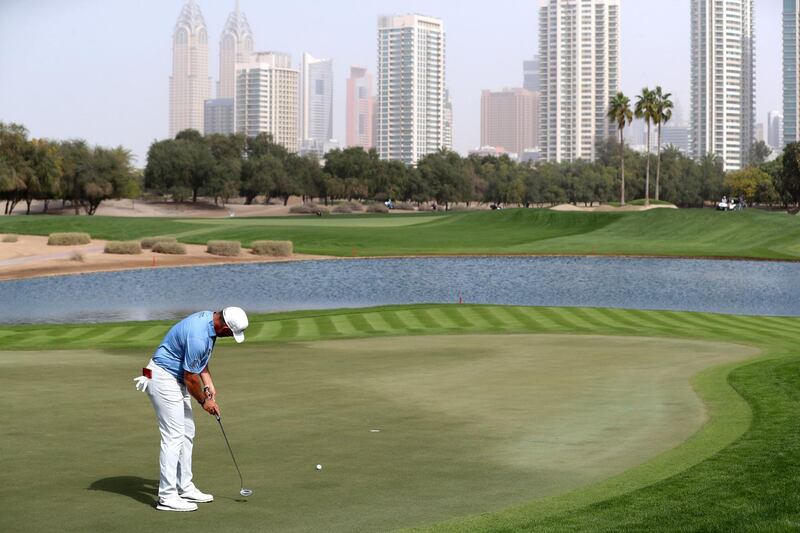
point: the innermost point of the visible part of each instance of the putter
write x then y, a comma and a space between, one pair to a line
244, 492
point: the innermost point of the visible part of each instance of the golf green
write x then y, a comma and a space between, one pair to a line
410, 430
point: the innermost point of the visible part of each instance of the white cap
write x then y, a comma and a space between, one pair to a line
236, 319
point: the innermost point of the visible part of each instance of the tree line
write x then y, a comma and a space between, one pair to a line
73, 172
259, 170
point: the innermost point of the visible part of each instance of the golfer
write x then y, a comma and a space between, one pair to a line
177, 372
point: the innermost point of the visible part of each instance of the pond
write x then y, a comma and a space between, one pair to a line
733, 287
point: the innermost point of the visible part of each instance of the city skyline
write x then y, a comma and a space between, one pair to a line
488, 43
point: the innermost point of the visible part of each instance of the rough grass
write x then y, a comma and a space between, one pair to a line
273, 248
148, 242
10, 238
666, 232
224, 248
737, 474
68, 239
123, 248
169, 248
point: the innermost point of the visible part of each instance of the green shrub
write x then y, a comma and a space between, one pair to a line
170, 248
10, 238
308, 209
273, 248
377, 208
123, 248
148, 242
68, 239
224, 248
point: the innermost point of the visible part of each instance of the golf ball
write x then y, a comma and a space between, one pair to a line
319, 467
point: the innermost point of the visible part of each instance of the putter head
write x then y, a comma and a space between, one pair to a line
246, 492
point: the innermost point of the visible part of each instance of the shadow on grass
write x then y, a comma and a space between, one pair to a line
142, 490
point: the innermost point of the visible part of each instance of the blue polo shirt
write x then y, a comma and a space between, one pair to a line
187, 346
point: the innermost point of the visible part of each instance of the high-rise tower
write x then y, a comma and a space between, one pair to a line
579, 56
235, 46
316, 101
189, 85
411, 87
723, 80
360, 109
791, 73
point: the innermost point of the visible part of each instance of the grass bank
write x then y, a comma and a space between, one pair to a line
738, 473
666, 232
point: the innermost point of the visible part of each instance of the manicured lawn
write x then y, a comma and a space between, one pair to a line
689, 232
482, 409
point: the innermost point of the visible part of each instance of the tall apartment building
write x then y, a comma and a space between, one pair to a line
723, 80
189, 85
775, 130
579, 54
316, 100
235, 46
447, 133
267, 98
411, 86
219, 116
510, 120
791, 72
530, 75
360, 109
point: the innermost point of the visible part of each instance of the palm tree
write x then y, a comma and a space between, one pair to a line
645, 108
619, 111
662, 114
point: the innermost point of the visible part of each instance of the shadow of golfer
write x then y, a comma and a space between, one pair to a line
141, 490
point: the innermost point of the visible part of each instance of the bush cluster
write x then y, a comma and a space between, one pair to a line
349, 207
273, 248
148, 242
308, 209
224, 248
170, 248
405, 206
123, 248
377, 208
10, 238
68, 239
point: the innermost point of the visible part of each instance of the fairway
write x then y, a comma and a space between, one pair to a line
358, 221
468, 423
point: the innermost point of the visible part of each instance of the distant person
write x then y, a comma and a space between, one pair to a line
177, 373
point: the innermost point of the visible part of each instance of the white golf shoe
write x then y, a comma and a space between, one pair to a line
196, 496
175, 504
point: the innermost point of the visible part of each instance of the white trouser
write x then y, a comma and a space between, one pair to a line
173, 406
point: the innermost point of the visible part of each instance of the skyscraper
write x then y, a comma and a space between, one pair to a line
791, 72
775, 130
510, 120
189, 85
360, 109
219, 116
316, 111
723, 80
235, 46
580, 72
530, 75
411, 85
267, 90
447, 133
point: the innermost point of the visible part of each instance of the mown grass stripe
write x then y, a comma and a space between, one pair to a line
652, 320
455, 315
377, 322
344, 326
572, 318
411, 320
307, 328
394, 321
116, 333
542, 317
152, 332
736, 325
621, 316
785, 324
326, 327
360, 324
697, 326
523, 317
426, 319
474, 319
514, 323
444, 319
269, 330
288, 330
488, 316
599, 319
559, 321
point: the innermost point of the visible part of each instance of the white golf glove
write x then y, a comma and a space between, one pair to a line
141, 383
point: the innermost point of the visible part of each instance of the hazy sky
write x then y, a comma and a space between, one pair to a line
99, 69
